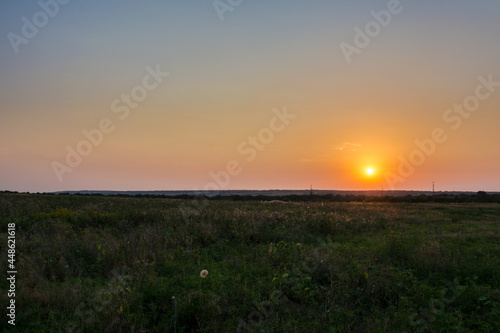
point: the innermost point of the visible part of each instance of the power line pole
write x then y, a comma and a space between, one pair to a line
432, 191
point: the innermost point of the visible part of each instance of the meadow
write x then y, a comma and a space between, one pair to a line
128, 264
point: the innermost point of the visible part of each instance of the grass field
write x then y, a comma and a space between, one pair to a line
118, 264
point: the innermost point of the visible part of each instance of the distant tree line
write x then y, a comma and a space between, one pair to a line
480, 196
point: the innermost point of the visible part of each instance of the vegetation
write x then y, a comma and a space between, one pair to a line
111, 264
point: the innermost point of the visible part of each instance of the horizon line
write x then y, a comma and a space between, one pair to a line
259, 190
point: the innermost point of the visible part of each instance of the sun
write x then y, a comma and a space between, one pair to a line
369, 171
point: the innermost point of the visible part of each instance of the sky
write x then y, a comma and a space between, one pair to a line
249, 94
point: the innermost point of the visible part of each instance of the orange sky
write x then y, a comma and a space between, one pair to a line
228, 81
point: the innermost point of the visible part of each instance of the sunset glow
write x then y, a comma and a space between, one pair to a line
268, 95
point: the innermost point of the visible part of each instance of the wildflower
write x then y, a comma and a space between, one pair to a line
204, 273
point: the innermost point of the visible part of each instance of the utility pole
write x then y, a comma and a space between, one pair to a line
311, 193
432, 191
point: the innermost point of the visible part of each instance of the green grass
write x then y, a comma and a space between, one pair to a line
98, 264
